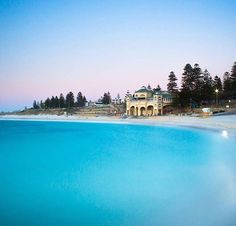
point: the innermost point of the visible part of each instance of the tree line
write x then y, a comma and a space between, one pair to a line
68, 102
106, 99
62, 102
199, 88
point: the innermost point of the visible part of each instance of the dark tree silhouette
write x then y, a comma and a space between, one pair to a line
217, 83
42, 106
192, 86
207, 88
61, 101
70, 100
56, 102
226, 85
35, 105
80, 100
47, 103
52, 102
233, 81
106, 98
187, 86
172, 84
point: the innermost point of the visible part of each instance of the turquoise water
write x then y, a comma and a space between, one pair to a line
67, 173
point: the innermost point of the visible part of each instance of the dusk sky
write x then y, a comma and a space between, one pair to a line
49, 47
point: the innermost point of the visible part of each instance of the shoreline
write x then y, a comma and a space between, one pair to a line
225, 122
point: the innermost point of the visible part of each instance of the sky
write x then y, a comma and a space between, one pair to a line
94, 46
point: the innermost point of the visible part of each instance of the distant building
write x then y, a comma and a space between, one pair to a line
117, 100
147, 102
99, 102
91, 103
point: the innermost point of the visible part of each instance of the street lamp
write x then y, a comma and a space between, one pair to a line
216, 92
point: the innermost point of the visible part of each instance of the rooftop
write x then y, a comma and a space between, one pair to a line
144, 89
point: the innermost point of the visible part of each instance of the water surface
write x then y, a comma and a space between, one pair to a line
68, 173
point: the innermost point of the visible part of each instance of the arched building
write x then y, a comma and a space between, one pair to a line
147, 102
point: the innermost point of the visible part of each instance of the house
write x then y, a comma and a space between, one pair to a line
148, 102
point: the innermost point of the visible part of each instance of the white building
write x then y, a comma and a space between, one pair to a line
147, 102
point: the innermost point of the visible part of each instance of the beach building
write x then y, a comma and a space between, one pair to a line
117, 100
148, 102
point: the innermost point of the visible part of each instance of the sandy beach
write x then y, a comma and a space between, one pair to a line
223, 122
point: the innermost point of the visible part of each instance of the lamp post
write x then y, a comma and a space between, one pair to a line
216, 92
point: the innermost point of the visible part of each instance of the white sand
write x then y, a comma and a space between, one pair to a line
226, 122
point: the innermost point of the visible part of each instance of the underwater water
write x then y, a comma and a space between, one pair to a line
70, 173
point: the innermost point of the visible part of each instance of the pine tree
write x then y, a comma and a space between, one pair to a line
106, 99
233, 72
42, 106
109, 96
52, 102
61, 101
217, 83
192, 85
207, 89
35, 105
226, 85
47, 103
188, 78
79, 102
84, 100
233, 81
70, 100
187, 86
172, 84
198, 84
56, 102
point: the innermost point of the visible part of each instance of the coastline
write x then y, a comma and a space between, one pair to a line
224, 122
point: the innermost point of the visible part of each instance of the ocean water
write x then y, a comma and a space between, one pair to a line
69, 173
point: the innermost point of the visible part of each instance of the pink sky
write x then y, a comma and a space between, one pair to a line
49, 47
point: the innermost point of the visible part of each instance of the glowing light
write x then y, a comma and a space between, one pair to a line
224, 134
